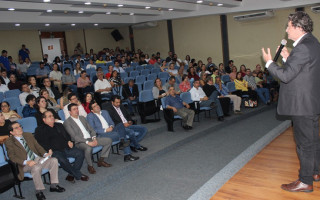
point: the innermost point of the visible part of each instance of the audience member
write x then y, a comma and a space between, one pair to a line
174, 102
56, 76
158, 92
85, 138
22, 67
29, 109
14, 83
229, 67
68, 78
185, 84
117, 67
3, 88
91, 65
88, 98
32, 158
4, 125
102, 123
172, 71
221, 69
130, 94
53, 136
72, 97
243, 70
77, 70
262, 92
103, 86
51, 102
41, 72
42, 106
53, 92
172, 83
164, 66
115, 79
33, 86
5, 77
242, 86
4, 61
119, 114
193, 74
210, 63
79, 49
233, 74
84, 83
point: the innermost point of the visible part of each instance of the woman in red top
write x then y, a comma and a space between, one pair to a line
192, 74
185, 84
243, 70
87, 100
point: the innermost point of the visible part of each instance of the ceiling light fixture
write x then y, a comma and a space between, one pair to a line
120, 5
148, 7
199, 1
219, 4
73, 24
47, 24
108, 13
80, 12
46, 1
95, 24
49, 11
105, 5
131, 13
170, 9
210, 4
17, 24
11, 9
87, 3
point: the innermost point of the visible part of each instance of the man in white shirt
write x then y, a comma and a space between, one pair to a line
3, 88
172, 71
91, 65
56, 76
117, 67
85, 138
4, 76
197, 94
72, 97
25, 92
103, 86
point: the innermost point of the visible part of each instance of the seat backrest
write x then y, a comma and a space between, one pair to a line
231, 86
139, 68
134, 73
155, 70
145, 72
128, 69
13, 101
163, 81
1, 96
149, 67
152, 76
12, 93
2, 157
225, 78
19, 110
126, 80
148, 85
61, 115
186, 97
163, 75
140, 79
123, 75
145, 96
29, 124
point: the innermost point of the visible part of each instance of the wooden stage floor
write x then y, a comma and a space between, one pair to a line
262, 176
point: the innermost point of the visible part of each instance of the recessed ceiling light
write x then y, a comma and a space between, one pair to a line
120, 5
17, 24
87, 3
131, 13
170, 9
108, 13
219, 4
80, 12
105, 5
11, 9
47, 24
73, 24
199, 1
147, 7
46, 1
210, 4
49, 10
95, 24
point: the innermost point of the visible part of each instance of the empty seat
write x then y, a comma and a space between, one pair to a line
148, 85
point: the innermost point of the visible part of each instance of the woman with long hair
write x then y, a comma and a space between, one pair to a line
51, 102
242, 87
41, 106
185, 84
9, 114
88, 98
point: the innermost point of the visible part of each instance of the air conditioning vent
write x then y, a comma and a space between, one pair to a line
253, 16
315, 9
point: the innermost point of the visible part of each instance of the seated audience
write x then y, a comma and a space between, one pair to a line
41, 72
88, 98
91, 65
64, 97
117, 67
29, 109
53, 92
164, 66
85, 138
262, 92
102, 86
193, 74
185, 84
68, 78
9, 114
41, 106
53, 136
110, 70
102, 123
172, 71
51, 102
33, 86
172, 83
221, 69
14, 83
4, 125
56, 76
3, 88
233, 73
242, 86
210, 63
243, 70
130, 94
4, 76
215, 74
77, 69
120, 114
25, 92
158, 92
22, 67
100, 60
198, 94
224, 92
84, 83
72, 97
174, 102
31, 158
115, 79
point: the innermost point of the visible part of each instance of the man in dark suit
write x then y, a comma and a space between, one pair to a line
102, 123
120, 114
53, 92
24, 150
51, 135
130, 93
299, 96
86, 138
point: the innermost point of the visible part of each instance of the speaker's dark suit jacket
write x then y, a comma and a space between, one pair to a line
300, 79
